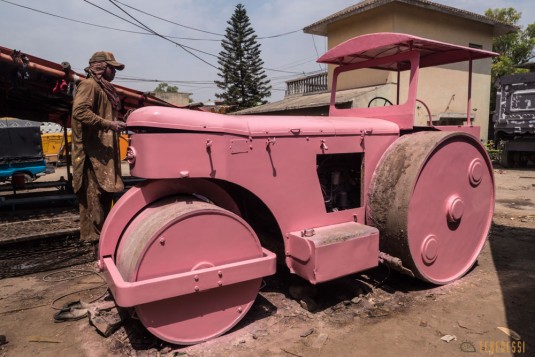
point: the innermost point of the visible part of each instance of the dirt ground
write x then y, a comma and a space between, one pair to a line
377, 313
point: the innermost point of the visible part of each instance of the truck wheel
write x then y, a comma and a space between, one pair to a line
432, 199
506, 159
20, 179
183, 234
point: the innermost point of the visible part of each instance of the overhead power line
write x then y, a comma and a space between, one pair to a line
185, 48
145, 27
150, 32
279, 35
106, 27
196, 29
138, 32
68, 19
169, 81
169, 21
142, 25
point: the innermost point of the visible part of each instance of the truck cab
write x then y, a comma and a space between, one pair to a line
21, 152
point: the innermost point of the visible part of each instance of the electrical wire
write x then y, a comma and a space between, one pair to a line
165, 38
73, 20
185, 48
169, 21
113, 14
154, 33
87, 272
45, 278
279, 35
196, 29
106, 27
151, 33
317, 53
142, 33
169, 81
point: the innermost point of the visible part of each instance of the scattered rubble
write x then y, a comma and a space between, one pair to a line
307, 332
105, 318
449, 338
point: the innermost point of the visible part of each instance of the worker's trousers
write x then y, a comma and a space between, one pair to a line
95, 204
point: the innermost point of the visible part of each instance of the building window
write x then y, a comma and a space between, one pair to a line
475, 45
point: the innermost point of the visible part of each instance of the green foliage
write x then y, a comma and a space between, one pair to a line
166, 88
243, 79
514, 48
493, 151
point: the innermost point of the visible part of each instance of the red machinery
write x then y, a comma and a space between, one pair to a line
332, 195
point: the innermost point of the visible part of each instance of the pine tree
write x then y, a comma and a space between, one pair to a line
243, 80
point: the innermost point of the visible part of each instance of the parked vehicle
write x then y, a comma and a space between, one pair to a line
330, 196
21, 153
514, 119
55, 151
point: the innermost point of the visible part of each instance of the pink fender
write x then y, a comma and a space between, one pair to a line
138, 197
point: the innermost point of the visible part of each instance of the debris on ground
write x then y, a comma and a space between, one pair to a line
72, 311
449, 338
356, 300
43, 339
515, 336
278, 325
307, 332
308, 304
105, 321
320, 341
468, 346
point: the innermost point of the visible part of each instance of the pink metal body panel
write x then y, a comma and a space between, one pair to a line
287, 163
384, 44
129, 294
326, 253
278, 152
135, 199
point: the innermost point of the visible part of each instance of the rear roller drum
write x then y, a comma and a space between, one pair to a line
432, 199
184, 234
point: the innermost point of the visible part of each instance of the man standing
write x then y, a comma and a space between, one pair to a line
95, 146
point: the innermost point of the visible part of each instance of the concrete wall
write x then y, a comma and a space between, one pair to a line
444, 89
179, 99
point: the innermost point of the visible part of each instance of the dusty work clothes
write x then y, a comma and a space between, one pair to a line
95, 156
95, 204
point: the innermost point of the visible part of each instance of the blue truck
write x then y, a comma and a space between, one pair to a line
21, 151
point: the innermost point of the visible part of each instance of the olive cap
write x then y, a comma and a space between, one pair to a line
103, 56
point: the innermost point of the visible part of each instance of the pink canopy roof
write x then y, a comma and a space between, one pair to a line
379, 45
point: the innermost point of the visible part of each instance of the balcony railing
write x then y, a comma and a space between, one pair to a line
313, 83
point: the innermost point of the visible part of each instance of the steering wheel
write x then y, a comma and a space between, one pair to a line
386, 101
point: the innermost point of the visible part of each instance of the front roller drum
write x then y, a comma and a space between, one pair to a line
432, 199
184, 235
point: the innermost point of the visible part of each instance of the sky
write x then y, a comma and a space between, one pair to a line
199, 27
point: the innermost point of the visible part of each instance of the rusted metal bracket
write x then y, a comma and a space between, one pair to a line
270, 141
394, 263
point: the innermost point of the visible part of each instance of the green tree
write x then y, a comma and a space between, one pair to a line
243, 79
166, 88
514, 48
